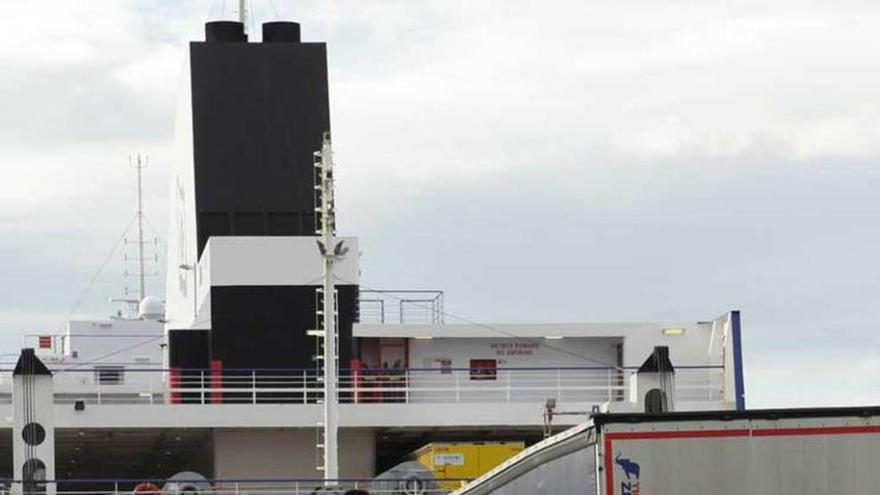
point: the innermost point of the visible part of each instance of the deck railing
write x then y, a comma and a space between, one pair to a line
297, 486
395, 386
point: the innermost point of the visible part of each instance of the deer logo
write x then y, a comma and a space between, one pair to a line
630, 468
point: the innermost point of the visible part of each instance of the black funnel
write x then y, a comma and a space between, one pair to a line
225, 31
281, 32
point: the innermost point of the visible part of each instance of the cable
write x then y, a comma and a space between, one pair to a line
490, 327
110, 354
154, 230
97, 274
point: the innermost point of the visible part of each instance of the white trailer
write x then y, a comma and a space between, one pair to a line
759, 452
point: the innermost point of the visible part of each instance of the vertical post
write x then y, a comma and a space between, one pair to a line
242, 13
507, 380
203, 386
330, 252
253, 387
710, 384
216, 381
32, 393
355, 383
457, 386
174, 384
739, 385
558, 384
305, 386
608, 384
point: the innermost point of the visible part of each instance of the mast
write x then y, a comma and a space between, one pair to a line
141, 164
242, 13
331, 253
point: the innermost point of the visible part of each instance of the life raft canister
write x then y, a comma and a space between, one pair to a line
145, 489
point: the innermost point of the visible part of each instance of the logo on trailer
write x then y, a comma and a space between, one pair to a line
630, 485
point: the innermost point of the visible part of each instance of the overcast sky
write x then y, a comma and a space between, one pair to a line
540, 161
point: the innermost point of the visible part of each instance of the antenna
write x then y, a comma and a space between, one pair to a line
139, 165
242, 13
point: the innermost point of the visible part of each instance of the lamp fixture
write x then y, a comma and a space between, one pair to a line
673, 331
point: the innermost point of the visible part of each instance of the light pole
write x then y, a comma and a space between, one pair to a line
331, 252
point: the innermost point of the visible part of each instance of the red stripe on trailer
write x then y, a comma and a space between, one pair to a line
216, 381
609, 467
645, 435
763, 432
825, 430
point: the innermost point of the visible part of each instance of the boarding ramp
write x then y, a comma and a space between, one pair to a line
562, 464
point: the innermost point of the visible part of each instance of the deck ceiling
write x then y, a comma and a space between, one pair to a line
121, 453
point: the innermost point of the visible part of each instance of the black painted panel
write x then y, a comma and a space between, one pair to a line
284, 223
259, 112
189, 349
248, 223
265, 326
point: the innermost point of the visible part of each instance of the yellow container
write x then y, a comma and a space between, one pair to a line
453, 461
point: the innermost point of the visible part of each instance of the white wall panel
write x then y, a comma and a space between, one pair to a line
181, 238
692, 348
512, 353
237, 261
289, 453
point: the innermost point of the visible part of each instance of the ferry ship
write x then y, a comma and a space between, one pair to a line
224, 381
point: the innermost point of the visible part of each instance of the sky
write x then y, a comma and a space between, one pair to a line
539, 161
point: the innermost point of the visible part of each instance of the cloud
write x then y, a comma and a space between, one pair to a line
837, 379
547, 161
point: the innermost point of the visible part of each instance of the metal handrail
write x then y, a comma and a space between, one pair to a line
243, 486
413, 385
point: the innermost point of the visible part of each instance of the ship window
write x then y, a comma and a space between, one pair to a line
483, 369
109, 375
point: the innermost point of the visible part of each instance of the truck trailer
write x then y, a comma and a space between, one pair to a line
756, 452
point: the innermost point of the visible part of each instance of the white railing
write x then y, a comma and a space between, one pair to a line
424, 307
403, 386
699, 384
247, 487
482, 385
